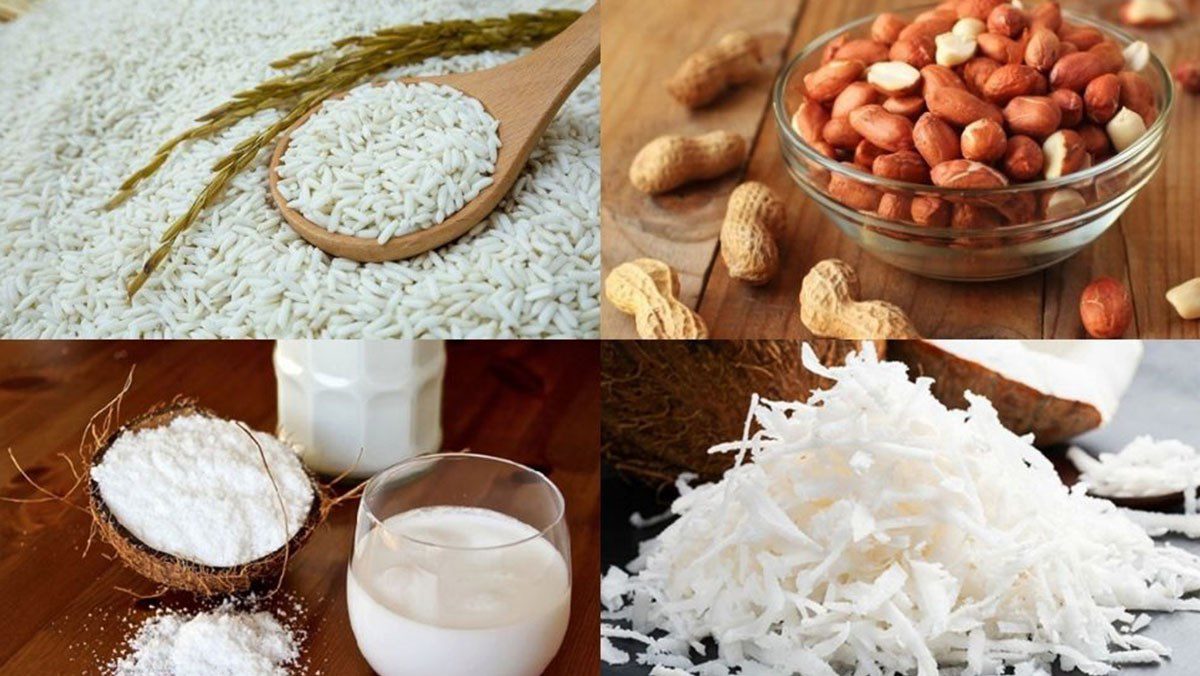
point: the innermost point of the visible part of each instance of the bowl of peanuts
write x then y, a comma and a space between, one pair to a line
974, 140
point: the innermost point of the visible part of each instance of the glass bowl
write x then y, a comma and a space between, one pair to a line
1035, 224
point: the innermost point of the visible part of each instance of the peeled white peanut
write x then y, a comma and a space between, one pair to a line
1063, 203
1185, 298
1137, 55
1056, 150
894, 78
953, 49
969, 27
1125, 128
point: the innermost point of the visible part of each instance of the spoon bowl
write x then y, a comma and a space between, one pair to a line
523, 95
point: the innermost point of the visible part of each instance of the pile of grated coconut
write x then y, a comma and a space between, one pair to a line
880, 532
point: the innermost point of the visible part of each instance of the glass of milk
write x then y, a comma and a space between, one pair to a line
461, 567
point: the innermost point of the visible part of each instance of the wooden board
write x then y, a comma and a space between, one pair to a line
1153, 247
535, 402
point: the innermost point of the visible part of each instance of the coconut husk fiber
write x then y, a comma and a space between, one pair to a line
665, 403
1021, 408
173, 572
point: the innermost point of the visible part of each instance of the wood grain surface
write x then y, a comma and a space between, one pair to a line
1153, 247
535, 402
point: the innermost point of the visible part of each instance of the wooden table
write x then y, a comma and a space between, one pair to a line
1154, 246
535, 402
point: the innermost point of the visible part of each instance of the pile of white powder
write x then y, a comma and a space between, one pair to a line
390, 160
130, 74
197, 489
876, 530
225, 641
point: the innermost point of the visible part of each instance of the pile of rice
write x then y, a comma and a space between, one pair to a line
390, 160
92, 87
878, 532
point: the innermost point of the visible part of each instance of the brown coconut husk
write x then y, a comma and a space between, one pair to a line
1021, 408
665, 403
175, 573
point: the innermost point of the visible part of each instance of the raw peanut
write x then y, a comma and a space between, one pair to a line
906, 166
668, 162
705, 75
1095, 141
856, 95
1070, 104
969, 27
1187, 74
1138, 96
979, 9
938, 14
935, 140
886, 28
984, 141
1023, 158
1185, 298
928, 28
935, 77
829, 307
953, 49
825, 149
867, 51
1148, 13
1102, 97
809, 120
1043, 50
909, 106
835, 44
961, 107
826, 82
1062, 203
1125, 128
754, 219
1018, 208
966, 175
1008, 21
917, 52
895, 207
975, 217
894, 78
1083, 37
1000, 48
886, 130
866, 152
1137, 55
1065, 153
1013, 80
649, 290
839, 133
854, 194
1065, 48
1111, 55
1036, 116
1047, 15
1105, 308
933, 212
976, 73
1075, 71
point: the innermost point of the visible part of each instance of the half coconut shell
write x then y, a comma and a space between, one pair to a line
174, 572
1022, 409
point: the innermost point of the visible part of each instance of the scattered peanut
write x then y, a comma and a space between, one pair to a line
705, 75
668, 162
829, 307
1185, 298
649, 290
1187, 73
754, 218
1148, 13
1105, 308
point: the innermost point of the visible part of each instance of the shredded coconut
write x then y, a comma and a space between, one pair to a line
221, 642
956, 546
197, 489
1144, 468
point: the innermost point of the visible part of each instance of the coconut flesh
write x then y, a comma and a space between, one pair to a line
195, 488
872, 529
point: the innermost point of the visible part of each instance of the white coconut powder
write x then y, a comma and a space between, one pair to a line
390, 160
197, 489
221, 642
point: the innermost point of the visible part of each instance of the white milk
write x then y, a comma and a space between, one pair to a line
418, 610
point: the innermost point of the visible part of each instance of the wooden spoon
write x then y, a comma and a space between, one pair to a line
523, 95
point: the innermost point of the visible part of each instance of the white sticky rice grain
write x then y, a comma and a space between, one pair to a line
390, 159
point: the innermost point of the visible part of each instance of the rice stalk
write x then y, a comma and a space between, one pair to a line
318, 75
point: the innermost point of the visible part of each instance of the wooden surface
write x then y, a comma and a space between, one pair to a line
535, 402
1154, 246
524, 95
